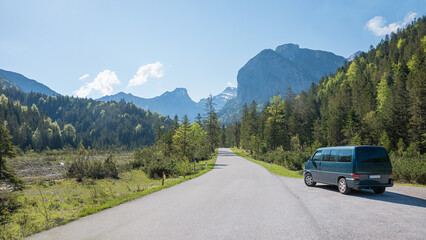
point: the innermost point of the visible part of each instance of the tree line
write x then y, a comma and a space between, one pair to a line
39, 122
377, 99
178, 148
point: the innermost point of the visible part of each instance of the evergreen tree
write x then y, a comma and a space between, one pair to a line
181, 138
7, 175
212, 124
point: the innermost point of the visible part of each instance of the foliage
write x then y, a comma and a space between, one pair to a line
276, 169
178, 150
8, 205
409, 167
152, 161
82, 168
49, 204
38, 122
212, 124
7, 175
377, 99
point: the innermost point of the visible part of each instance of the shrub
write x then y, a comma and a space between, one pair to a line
8, 205
410, 167
153, 162
110, 168
293, 160
84, 168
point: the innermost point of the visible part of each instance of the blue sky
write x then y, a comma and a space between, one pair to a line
93, 48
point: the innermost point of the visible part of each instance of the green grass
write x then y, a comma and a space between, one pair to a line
276, 169
410, 185
280, 170
52, 203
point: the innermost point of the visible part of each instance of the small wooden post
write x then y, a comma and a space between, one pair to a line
206, 165
271, 165
163, 179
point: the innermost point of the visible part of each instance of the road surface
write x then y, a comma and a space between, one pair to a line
239, 199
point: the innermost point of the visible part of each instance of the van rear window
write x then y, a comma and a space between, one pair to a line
372, 155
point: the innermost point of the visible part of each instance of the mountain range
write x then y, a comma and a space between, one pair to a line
176, 102
263, 76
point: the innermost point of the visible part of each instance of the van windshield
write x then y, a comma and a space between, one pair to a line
372, 155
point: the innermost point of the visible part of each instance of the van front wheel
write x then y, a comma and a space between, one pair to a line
309, 181
379, 190
343, 186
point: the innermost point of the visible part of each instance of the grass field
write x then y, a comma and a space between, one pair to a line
276, 169
49, 203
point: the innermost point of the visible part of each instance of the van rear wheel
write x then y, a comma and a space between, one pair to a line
309, 181
379, 190
343, 186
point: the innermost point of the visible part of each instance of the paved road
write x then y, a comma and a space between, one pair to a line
242, 200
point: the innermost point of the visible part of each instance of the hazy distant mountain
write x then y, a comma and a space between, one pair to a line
172, 103
25, 84
353, 56
169, 103
272, 71
220, 100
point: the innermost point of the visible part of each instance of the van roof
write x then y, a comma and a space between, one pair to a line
349, 147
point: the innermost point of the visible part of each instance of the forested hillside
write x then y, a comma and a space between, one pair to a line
37, 121
377, 99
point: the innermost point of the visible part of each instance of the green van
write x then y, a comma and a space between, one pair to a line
350, 167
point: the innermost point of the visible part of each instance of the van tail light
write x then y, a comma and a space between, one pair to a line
391, 175
355, 176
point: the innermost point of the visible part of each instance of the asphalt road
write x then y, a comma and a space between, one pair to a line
242, 200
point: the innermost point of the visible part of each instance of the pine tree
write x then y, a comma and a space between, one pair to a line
181, 138
212, 124
7, 175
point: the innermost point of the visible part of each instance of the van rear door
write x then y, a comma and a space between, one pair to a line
373, 165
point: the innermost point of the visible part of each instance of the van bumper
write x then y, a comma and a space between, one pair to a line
355, 183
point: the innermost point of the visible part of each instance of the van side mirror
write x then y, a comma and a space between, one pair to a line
309, 158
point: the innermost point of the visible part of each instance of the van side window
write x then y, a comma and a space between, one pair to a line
333, 156
345, 156
326, 155
317, 156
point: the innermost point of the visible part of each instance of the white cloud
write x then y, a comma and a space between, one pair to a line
84, 91
83, 77
103, 83
152, 70
378, 27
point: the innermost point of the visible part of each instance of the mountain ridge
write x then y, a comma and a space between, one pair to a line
182, 102
25, 84
273, 71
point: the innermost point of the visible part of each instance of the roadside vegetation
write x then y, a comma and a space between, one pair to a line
65, 184
46, 204
376, 99
88, 182
276, 168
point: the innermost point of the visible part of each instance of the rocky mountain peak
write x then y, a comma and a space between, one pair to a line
289, 50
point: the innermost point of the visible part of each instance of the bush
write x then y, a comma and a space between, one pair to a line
409, 167
293, 160
110, 168
8, 205
153, 162
84, 168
